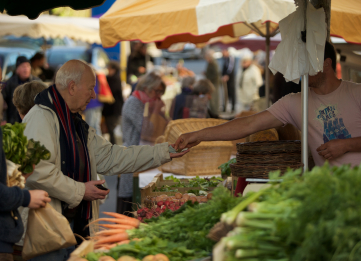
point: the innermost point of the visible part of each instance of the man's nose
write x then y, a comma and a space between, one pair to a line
94, 95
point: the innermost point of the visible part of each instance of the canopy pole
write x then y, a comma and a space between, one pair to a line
267, 76
304, 140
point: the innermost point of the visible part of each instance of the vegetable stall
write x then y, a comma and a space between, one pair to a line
309, 216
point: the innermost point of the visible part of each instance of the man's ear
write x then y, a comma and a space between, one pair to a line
71, 88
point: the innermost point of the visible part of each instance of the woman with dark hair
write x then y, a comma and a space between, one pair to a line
112, 112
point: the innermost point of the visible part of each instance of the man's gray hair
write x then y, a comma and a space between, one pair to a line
70, 71
149, 82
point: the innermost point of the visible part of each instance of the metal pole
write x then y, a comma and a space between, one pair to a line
304, 141
267, 63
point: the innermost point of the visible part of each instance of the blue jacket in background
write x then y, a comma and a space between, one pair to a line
94, 103
11, 226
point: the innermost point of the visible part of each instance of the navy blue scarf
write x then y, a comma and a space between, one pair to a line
69, 148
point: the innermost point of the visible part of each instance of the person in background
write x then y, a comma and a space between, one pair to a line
251, 80
212, 74
204, 88
22, 75
179, 101
113, 112
24, 96
93, 110
11, 198
228, 77
149, 88
39, 67
136, 64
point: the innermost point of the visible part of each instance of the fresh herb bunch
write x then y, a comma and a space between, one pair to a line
190, 228
225, 168
313, 217
20, 150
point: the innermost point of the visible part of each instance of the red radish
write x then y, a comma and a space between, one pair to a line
167, 203
163, 207
158, 209
160, 203
139, 211
177, 207
149, 215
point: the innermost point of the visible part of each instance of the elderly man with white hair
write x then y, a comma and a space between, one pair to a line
249, 82
77, 153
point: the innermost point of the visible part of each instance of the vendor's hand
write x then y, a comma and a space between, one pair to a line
225, 78
92, 192
187, 140
38, 199
177, 155
333, 149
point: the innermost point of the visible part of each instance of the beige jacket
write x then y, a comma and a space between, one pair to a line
106, 159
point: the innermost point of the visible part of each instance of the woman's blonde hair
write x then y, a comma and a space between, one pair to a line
24, 95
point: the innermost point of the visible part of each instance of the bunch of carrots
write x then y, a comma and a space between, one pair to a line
114, 234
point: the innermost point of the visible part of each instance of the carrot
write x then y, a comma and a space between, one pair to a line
110, 232
131, 222
123, 242
116, 215
113, 238
116, 226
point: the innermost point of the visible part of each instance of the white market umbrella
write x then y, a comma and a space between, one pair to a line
47, 26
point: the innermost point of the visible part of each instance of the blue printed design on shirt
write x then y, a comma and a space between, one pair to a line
333, 126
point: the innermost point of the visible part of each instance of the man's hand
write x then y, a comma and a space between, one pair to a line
177, 155
187, 140
333, 149
38, 198
141, 69
225, 78
92, 192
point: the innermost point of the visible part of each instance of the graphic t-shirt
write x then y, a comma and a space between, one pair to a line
336, 115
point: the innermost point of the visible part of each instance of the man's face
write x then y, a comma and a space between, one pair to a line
246, 63
317, 80
84, 91
24, 71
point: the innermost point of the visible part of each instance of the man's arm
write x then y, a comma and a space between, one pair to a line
232, 130
336, 148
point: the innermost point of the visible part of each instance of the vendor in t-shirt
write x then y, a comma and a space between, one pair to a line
334, 126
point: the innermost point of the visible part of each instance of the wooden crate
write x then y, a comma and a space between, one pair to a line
86, 247
158, 181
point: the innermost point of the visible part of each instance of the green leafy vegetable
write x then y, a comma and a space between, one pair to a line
225, 168
19, 150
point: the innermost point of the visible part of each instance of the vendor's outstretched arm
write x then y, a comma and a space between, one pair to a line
232, 130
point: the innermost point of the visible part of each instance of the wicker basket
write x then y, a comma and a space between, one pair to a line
245, 158
261, 171
269, 147
203, 159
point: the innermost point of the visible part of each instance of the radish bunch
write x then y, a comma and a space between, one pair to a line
157, 209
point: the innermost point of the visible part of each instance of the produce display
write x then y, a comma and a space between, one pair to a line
182, 236
158, 205
20, 150
203, 183
313, 217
